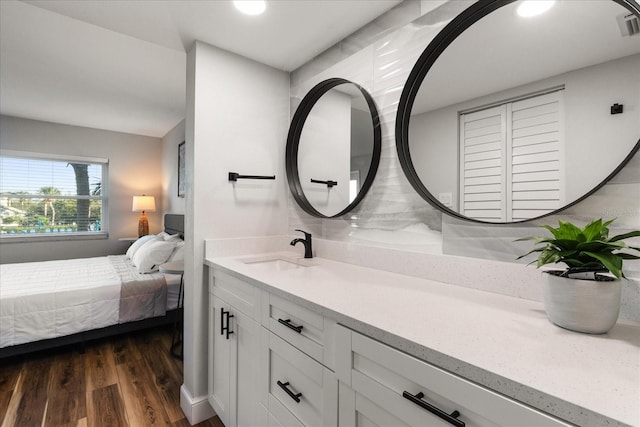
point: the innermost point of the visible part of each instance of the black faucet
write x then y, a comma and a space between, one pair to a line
306, 242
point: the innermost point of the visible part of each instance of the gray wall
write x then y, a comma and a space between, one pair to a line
171, 203
135, 167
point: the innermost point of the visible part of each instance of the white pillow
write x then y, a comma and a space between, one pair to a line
172, 237
151, 255
135, 246
178, 252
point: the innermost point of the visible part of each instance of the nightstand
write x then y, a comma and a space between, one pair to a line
176, 267
129, 240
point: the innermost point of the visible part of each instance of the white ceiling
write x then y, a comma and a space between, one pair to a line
120, 65
504, 51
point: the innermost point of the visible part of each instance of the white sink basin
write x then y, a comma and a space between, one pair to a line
275, 264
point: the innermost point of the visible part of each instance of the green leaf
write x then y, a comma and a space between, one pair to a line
568, 231
574, 262
568, 254
605, 229
555, 232
612, 262
625, 236
599, 245
593, 230
627, 256
565, 244
522, 239
548, 257
530, 252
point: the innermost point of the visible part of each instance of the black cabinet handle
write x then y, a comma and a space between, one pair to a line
450, 418
288, 324
225, 329
285, 387
222, 321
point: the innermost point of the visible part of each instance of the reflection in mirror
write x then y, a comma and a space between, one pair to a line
516, 118
333, 149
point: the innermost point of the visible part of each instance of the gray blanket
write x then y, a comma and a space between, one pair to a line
141, 295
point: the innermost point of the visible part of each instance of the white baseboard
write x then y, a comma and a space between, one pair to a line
196, 409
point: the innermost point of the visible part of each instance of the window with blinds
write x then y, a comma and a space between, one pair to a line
51, 195
511, 159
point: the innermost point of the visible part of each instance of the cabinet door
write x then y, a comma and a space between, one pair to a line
358, 411
298, 390
234, 343
419, 393
220, 374
248, 409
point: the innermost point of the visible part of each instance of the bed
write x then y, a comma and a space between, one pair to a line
54, 303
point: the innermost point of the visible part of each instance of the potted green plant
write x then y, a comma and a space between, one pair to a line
584, 296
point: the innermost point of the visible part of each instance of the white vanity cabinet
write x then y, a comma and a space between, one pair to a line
269, 373
380, 385
307, 330
299, 391
299, 385
277, 361
234, 346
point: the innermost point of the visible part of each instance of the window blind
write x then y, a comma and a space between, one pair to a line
40, 195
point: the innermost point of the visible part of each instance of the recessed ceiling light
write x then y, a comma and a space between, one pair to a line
250, 7
529, 8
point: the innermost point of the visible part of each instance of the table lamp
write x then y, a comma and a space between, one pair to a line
141, 204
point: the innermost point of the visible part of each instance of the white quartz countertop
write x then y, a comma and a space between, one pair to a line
504, 343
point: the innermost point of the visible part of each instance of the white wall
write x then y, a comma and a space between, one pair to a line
171, 203
324, 152
135, 167
237, 121
434, 151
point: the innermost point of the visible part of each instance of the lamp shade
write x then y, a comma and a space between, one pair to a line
144, 203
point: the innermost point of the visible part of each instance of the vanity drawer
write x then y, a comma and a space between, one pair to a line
241, 295
402, 384
307, 330
298, 390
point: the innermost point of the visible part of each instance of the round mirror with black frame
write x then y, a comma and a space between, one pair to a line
505, 119
333, 148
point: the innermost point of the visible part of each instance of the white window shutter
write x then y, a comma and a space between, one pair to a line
536, 157
482, 164
511, 159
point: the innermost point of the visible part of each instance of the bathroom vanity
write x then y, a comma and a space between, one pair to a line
315, 342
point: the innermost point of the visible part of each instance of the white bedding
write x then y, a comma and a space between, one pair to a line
55, 298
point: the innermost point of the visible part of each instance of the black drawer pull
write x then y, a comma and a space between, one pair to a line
285, 387
450, 418
225, 329
288, 324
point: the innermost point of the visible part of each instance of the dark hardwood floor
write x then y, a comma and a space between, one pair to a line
129, 380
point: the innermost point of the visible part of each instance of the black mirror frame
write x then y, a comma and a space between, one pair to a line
424, 63
293, 141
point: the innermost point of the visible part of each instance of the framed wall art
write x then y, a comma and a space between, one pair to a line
181, 169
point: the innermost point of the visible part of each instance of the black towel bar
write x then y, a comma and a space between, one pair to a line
329, 183
234, 176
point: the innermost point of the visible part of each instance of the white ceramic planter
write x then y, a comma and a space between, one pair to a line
582, 305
